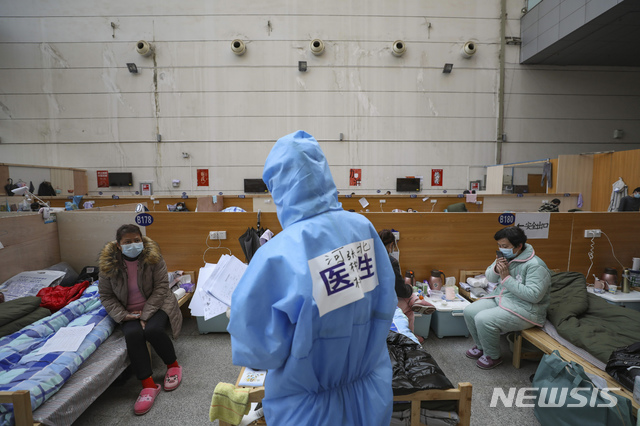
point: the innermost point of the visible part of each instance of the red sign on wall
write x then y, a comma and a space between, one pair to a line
103, 178
355, 176
436, 177
203, 177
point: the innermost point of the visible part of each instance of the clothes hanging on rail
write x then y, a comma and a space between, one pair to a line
619, 191
546, 173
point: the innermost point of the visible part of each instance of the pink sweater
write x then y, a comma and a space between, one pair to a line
136, 299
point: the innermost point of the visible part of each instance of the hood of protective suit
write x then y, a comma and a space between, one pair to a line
298, 176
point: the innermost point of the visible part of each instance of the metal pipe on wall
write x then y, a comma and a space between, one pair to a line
500, 132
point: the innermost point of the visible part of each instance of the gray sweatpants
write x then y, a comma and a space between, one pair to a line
486, 321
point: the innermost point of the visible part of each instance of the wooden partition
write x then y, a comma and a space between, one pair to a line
447, 241
607, 169
29, 244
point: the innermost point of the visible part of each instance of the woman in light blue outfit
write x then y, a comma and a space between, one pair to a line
519, 301
315, 305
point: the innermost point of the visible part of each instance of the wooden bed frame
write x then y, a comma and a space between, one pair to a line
462, 396
548, 344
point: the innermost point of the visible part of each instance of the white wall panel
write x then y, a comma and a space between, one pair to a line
67, 99
468, 8
247, 27
326, 104
78, 131
89, 105
578, 107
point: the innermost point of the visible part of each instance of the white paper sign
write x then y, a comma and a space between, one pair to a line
66, 339
343, 275
534, 225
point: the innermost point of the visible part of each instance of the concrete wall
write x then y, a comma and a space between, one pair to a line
67, 99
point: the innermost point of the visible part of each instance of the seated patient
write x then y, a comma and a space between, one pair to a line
134, 290
519, 301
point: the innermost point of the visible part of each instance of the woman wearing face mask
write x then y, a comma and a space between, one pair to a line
134, 289
519, 301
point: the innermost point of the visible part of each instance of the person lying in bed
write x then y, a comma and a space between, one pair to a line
519, 301
134, 289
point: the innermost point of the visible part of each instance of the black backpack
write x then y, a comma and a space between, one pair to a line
89, 273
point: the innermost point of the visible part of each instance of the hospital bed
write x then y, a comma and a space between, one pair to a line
547, 339
93, 377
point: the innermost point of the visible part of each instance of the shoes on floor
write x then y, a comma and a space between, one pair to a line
145, 400
474, 353
173, 378
487, 363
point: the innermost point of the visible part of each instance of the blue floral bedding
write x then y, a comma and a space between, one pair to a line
43, 374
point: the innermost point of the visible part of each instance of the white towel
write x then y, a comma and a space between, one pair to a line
477, 282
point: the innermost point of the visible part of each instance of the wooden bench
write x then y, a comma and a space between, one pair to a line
462, 395
548, 344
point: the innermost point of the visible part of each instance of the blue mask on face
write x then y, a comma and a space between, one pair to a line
508, 253
636, 195
132, 250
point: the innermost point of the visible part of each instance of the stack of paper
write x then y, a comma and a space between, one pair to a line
216, 283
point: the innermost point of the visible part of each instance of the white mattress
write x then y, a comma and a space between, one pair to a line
92, 378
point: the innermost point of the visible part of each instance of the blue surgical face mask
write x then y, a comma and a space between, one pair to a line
508, 252
132, 250
636, 195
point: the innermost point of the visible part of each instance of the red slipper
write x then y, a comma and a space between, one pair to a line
145, 400
173, 378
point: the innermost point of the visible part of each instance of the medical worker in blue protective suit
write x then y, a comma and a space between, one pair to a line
316, 302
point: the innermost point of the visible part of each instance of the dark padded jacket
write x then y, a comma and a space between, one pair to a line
153, 282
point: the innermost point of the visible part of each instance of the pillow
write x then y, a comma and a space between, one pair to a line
70, 276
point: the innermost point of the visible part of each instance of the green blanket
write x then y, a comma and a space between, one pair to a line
588, 321
20, 312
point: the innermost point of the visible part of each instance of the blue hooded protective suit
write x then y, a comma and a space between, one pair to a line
315, 304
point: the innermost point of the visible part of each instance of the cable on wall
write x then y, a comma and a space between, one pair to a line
213, 248
612, 252
590, 254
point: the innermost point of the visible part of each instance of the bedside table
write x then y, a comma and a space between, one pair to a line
629, 300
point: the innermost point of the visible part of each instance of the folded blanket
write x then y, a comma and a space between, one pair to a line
16, 308
229, 403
